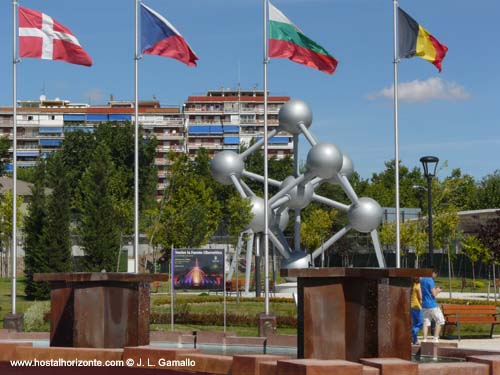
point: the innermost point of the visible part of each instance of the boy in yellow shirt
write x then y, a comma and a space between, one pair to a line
417, 317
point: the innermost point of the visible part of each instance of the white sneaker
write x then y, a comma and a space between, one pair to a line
435, 339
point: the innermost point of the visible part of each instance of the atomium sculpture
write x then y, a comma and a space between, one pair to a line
325, 164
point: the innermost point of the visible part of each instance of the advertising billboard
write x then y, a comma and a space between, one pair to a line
199, 269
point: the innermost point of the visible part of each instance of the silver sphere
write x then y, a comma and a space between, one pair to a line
224, 164
284, 219
324, 160
297, 259
346, 170
300, 196
294, 113
366, 215
257, 222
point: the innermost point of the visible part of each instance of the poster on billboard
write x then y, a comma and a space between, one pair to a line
199, 269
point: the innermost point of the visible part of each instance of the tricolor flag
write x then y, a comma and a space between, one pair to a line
287, 40
414, 40
42, 37
159, 37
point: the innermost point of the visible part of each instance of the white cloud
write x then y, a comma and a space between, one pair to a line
420, 91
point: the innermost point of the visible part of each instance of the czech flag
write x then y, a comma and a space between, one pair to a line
414, 40
159, 37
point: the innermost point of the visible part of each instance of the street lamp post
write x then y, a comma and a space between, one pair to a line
429, 164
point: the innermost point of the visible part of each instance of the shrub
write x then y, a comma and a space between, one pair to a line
34, 317
236, 320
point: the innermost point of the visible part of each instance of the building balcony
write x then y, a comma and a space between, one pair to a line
166, 136
208, 146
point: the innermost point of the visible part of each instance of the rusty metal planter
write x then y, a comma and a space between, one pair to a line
99, 310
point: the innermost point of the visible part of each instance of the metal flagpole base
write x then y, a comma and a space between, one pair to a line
267, 325
14, 322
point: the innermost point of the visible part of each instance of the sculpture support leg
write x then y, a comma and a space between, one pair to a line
378, 249
337, 236
248, 263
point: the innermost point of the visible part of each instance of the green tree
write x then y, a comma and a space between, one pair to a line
382, 187
488, 191
190, 211
239, 215
475, 250
6, 222
316, 227
411, 235
100, 234
5, 144
456, 191
36, 257
56, 241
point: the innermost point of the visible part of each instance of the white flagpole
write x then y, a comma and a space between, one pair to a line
266, 176
14, 155
396, 132
136, 143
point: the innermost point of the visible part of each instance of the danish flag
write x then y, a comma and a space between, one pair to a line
42, 37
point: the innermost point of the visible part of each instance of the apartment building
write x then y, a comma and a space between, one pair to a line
42, 124
225, 119
218, 120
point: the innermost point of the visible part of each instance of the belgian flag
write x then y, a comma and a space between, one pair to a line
414, 40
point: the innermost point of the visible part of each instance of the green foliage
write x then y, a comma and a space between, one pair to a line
474, 249
488, 191
99, 231
36, 258
382, 186
190, 212
34, 317
489, 234
316, 227
56, 240
445, 227
6, 202
5, 144
239, 214
27, 174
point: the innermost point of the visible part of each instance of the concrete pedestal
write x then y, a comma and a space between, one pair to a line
353, 313
14, 322
99, 310
267, 325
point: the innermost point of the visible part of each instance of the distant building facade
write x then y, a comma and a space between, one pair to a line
225, 119
219, 120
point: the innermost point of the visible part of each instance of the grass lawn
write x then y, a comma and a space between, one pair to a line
5, 297
195, 304
239, 331
481, 285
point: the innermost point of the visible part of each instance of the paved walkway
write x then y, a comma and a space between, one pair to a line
480, 343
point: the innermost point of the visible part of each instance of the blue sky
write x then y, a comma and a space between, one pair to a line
454, 115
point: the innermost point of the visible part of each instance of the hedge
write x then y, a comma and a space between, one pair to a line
218, 319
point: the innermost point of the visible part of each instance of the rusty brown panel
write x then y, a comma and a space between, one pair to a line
361, 318
143, 311
99, 276
360, 272
61, 315
324, 319
89, 316
120, 302
394, 318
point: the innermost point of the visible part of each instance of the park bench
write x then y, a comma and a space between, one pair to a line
457, 315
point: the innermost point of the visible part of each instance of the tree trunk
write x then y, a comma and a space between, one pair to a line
473, 277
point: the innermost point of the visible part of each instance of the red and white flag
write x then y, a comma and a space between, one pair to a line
42, 37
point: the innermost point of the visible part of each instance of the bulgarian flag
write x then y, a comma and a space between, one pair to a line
414, 40
287, 40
